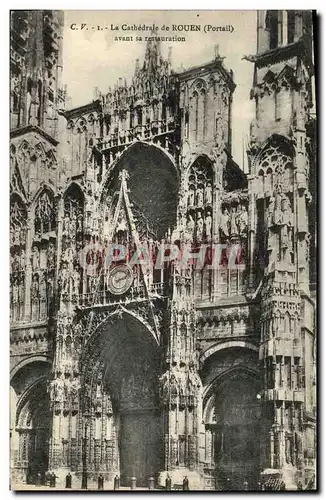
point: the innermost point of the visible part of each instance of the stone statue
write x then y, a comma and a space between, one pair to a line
72, 227
164, 387
287, 221
59, 390
243, 220
66, 223
200, 197
52, 390
287, 215
208, 193
272, 231
76, 278
34, 289
208, 225
277, 218
225, 220
200, 227
74, 388
270, 212
191, 198
80, 223
35, 258
69, 257
254, 131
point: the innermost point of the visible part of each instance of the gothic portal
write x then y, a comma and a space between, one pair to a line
120, 366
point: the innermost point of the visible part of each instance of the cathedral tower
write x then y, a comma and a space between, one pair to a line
281, 169
36, 98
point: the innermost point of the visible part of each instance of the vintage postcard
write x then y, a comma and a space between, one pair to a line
162, 250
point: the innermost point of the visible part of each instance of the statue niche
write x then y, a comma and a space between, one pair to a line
234, 222
72, 242
275, 168
279, 219
42, 259
199, 201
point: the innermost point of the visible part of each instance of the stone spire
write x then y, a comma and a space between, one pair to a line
152, 55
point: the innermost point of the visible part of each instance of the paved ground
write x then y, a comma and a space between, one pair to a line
32, 487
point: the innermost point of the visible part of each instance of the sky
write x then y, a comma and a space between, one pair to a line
92, 58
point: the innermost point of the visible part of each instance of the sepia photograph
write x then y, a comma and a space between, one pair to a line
163, 250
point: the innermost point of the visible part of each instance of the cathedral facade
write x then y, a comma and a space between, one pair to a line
125, 359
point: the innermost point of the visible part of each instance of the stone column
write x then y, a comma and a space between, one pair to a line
279, 28
276, 392
252, 224
220, 163
181, 397
284, 27
59, 233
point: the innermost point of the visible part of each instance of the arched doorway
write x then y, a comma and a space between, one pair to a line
32, 433
232, 417
31, 419
123, 361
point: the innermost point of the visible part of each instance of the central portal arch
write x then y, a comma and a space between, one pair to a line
121, 411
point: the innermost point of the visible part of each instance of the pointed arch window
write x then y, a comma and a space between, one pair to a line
196, 110
291, 25
187, 124
73, 218
272, 25
139, 112
45, 214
